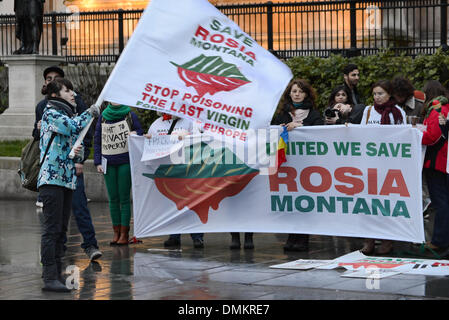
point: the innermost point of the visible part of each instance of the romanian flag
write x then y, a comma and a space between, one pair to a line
282, 147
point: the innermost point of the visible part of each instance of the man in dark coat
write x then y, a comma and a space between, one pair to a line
351, 76
29, 20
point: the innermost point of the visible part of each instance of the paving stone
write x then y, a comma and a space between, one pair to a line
212, 273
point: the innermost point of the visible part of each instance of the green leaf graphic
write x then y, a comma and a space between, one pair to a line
204, 163
214, 66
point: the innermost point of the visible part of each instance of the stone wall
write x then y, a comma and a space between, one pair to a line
10, 188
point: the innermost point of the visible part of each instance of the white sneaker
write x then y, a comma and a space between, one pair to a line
39, 204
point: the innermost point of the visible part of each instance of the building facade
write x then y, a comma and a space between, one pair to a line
95, 30
93, 5
7, 6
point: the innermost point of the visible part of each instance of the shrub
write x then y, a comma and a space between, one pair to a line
323, 73
326, 73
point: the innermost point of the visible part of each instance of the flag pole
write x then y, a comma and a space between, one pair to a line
85, 129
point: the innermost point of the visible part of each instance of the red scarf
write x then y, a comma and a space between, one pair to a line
385, 110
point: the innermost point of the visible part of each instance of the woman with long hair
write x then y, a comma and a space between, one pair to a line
340, 107
340, 94
298, 109
384, 111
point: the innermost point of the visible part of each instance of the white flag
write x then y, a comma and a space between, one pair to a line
188, 59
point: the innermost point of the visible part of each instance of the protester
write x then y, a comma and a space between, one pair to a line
167, 124
435, 161
57, 175
412, 102
235, 241
341, 109
297, 109
111, 158
351, 76
50, 74
409, 99
384, 112
79, 203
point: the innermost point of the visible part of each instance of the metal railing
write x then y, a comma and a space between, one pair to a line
350, 27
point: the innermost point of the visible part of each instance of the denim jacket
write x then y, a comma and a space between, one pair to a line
57, 168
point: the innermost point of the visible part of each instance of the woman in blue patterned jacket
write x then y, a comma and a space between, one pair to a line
57, 178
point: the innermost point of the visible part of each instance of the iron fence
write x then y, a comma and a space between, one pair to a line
349, 27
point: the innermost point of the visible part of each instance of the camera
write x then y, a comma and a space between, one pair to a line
332, 113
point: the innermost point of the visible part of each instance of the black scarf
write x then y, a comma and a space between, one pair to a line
60, 104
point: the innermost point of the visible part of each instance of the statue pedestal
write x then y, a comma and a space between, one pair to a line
25, 74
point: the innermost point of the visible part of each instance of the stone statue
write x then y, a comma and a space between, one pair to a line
29, 21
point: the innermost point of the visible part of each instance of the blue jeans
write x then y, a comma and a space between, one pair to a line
193, 235
82, 214
438, 185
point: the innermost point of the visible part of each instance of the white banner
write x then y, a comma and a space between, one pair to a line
114, 137
188, 59
356, 181
160, 146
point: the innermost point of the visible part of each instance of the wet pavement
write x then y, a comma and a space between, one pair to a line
212, 273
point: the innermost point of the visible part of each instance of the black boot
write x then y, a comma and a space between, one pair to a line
248, 241
368, 247
288, 246
172, 243
55, 286
301, 243
235, 241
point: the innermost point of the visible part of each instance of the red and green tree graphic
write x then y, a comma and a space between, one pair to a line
210, 75
200, 185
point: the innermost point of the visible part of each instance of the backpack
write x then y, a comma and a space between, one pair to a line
30, 165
